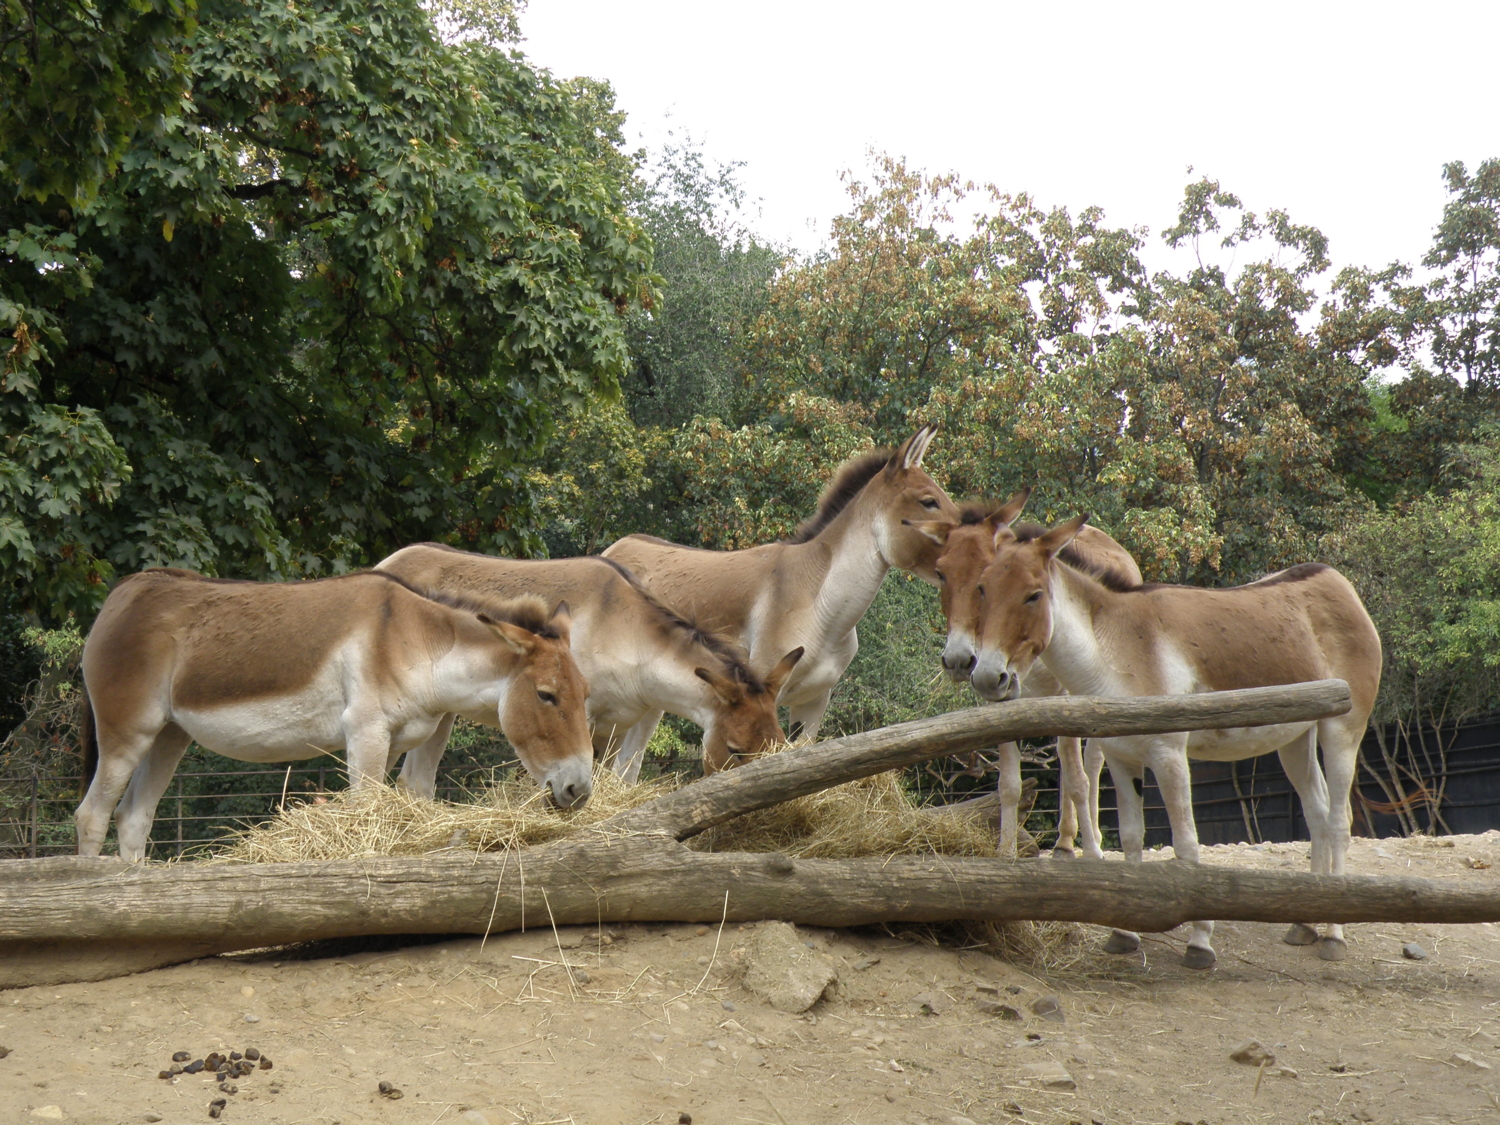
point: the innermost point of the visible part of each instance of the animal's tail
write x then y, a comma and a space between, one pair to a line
88, 739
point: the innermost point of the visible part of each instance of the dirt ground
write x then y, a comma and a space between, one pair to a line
650, 1024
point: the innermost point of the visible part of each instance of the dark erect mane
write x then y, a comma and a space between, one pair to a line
846, 484
728, 655
1107, 576
527, 612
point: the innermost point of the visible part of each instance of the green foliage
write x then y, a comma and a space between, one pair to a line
684, 348
331, 305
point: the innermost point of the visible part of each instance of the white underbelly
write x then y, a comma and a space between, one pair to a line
1235, 743
280, 730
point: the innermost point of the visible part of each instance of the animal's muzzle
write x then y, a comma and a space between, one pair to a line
995, 684
570, 786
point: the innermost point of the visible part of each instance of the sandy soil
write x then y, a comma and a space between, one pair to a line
653, 1026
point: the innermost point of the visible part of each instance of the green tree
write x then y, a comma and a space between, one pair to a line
330, 304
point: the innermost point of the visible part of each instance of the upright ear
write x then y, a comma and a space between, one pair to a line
912, 450
561, 619
777, 675
936, 530
1056, 538
519, 640
726, 689
1006, 513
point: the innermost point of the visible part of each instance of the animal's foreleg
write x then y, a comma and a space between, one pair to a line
1169, 765
806, 718
1327, 823
1072, 794
367, 748
1008, 790
419, 770
632, 750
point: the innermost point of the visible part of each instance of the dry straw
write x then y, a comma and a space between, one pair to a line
869, 817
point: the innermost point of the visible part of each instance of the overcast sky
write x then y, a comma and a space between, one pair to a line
1343, 114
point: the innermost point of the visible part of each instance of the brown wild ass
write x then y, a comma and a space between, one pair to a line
639, 657
968, 548
811, 590
1101, 636
275, 672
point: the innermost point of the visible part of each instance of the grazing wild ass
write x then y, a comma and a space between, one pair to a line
808, 591
1101, 636
639, 657
967, 548
276, 672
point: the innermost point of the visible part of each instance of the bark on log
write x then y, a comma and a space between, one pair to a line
108, 909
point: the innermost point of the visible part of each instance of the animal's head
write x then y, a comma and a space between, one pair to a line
543, 710
744, 723
1015, 613
905, 495
966, 548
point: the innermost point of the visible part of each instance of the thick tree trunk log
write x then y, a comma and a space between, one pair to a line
123, 916
85, 919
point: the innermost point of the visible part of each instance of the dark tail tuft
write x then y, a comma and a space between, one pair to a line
89, 742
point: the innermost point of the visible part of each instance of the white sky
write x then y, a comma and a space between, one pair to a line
1343, 114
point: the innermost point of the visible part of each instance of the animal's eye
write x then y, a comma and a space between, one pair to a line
930, 504
980, 591
734, 750
547, 697
1034, 596
941, 577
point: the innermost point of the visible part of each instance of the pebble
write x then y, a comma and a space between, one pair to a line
251, 1017
1253, 1053
1049, 1008
48, 1113
1470, 1062
1413, 952
1052, 1075
479, 1117
930, 1003
247, 992
727, 1005
152, 1118
995, 1008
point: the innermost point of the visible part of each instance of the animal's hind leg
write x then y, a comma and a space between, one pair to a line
137, 809
1299, 759
805, 719
120, 752
1340, 738
1169, 765
1126, 777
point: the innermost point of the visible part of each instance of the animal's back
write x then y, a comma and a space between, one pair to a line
716, 589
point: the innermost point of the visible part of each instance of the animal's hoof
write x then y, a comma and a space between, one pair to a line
1300, 934
1196, 957
1332, 949
1062, 851
1122, 941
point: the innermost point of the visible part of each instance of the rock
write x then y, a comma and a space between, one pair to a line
727, 1005
251, 1017
151, 1118
930, 1003
246, 991
995, 1008
4, 1051
1286, 1072
1467, 1061
1049, 1008
782, 971
1413, 952
1253, 1053
1051, 1075
480, 1117
48, 1113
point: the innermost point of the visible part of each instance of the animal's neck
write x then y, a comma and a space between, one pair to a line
670, 683
849, 564
1074, 654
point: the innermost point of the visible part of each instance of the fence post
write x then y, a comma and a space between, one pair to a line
36, 813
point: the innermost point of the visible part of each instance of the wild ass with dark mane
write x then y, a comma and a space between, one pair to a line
967, 548
277, 672
641, 659
811, 590
1099, 635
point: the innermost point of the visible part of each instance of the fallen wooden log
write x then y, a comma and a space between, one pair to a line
84, 919
77, 919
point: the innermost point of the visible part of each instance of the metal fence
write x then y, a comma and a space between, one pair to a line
1417, 779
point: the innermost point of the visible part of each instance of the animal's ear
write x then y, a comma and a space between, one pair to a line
777, 675
936, 530
517, 639
1006, 513
726, 689
1056, 538
912, 450
561, 619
